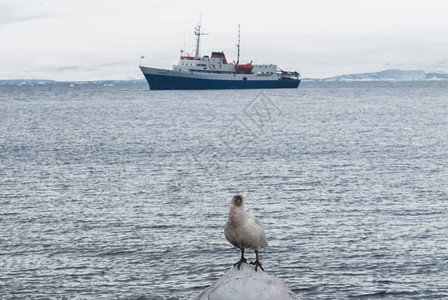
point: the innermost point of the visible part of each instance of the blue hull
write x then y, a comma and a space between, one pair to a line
170, 82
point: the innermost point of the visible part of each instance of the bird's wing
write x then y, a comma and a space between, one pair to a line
257, 231
263, 242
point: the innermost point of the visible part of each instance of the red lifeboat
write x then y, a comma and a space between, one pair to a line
244, 69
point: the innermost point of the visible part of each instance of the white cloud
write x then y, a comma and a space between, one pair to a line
86, 40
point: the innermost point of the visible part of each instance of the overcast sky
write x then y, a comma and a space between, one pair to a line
94, 39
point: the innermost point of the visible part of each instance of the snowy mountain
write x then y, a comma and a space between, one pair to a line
389, 75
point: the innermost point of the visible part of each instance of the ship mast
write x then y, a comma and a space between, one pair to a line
197, 32
238, 45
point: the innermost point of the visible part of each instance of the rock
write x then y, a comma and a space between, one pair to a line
246, 284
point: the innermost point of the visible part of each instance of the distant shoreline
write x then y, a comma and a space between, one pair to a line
57, 82
386, 75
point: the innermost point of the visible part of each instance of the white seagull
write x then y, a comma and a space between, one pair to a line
243, 230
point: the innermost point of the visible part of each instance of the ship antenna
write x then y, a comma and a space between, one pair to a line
183, 49
238, 45
197, 32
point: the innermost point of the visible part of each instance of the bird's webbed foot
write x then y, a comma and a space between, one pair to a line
257, 264
242, 260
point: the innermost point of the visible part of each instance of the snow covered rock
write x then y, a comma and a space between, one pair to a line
246, 284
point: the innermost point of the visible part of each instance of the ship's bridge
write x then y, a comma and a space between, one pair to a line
217, 63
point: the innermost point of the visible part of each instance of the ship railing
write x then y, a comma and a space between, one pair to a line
287, 74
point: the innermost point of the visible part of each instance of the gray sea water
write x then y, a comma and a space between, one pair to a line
117, 192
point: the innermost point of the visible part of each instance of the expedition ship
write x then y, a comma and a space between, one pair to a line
214, 72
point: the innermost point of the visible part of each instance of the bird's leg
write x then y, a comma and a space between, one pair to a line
256, 262
242, 260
